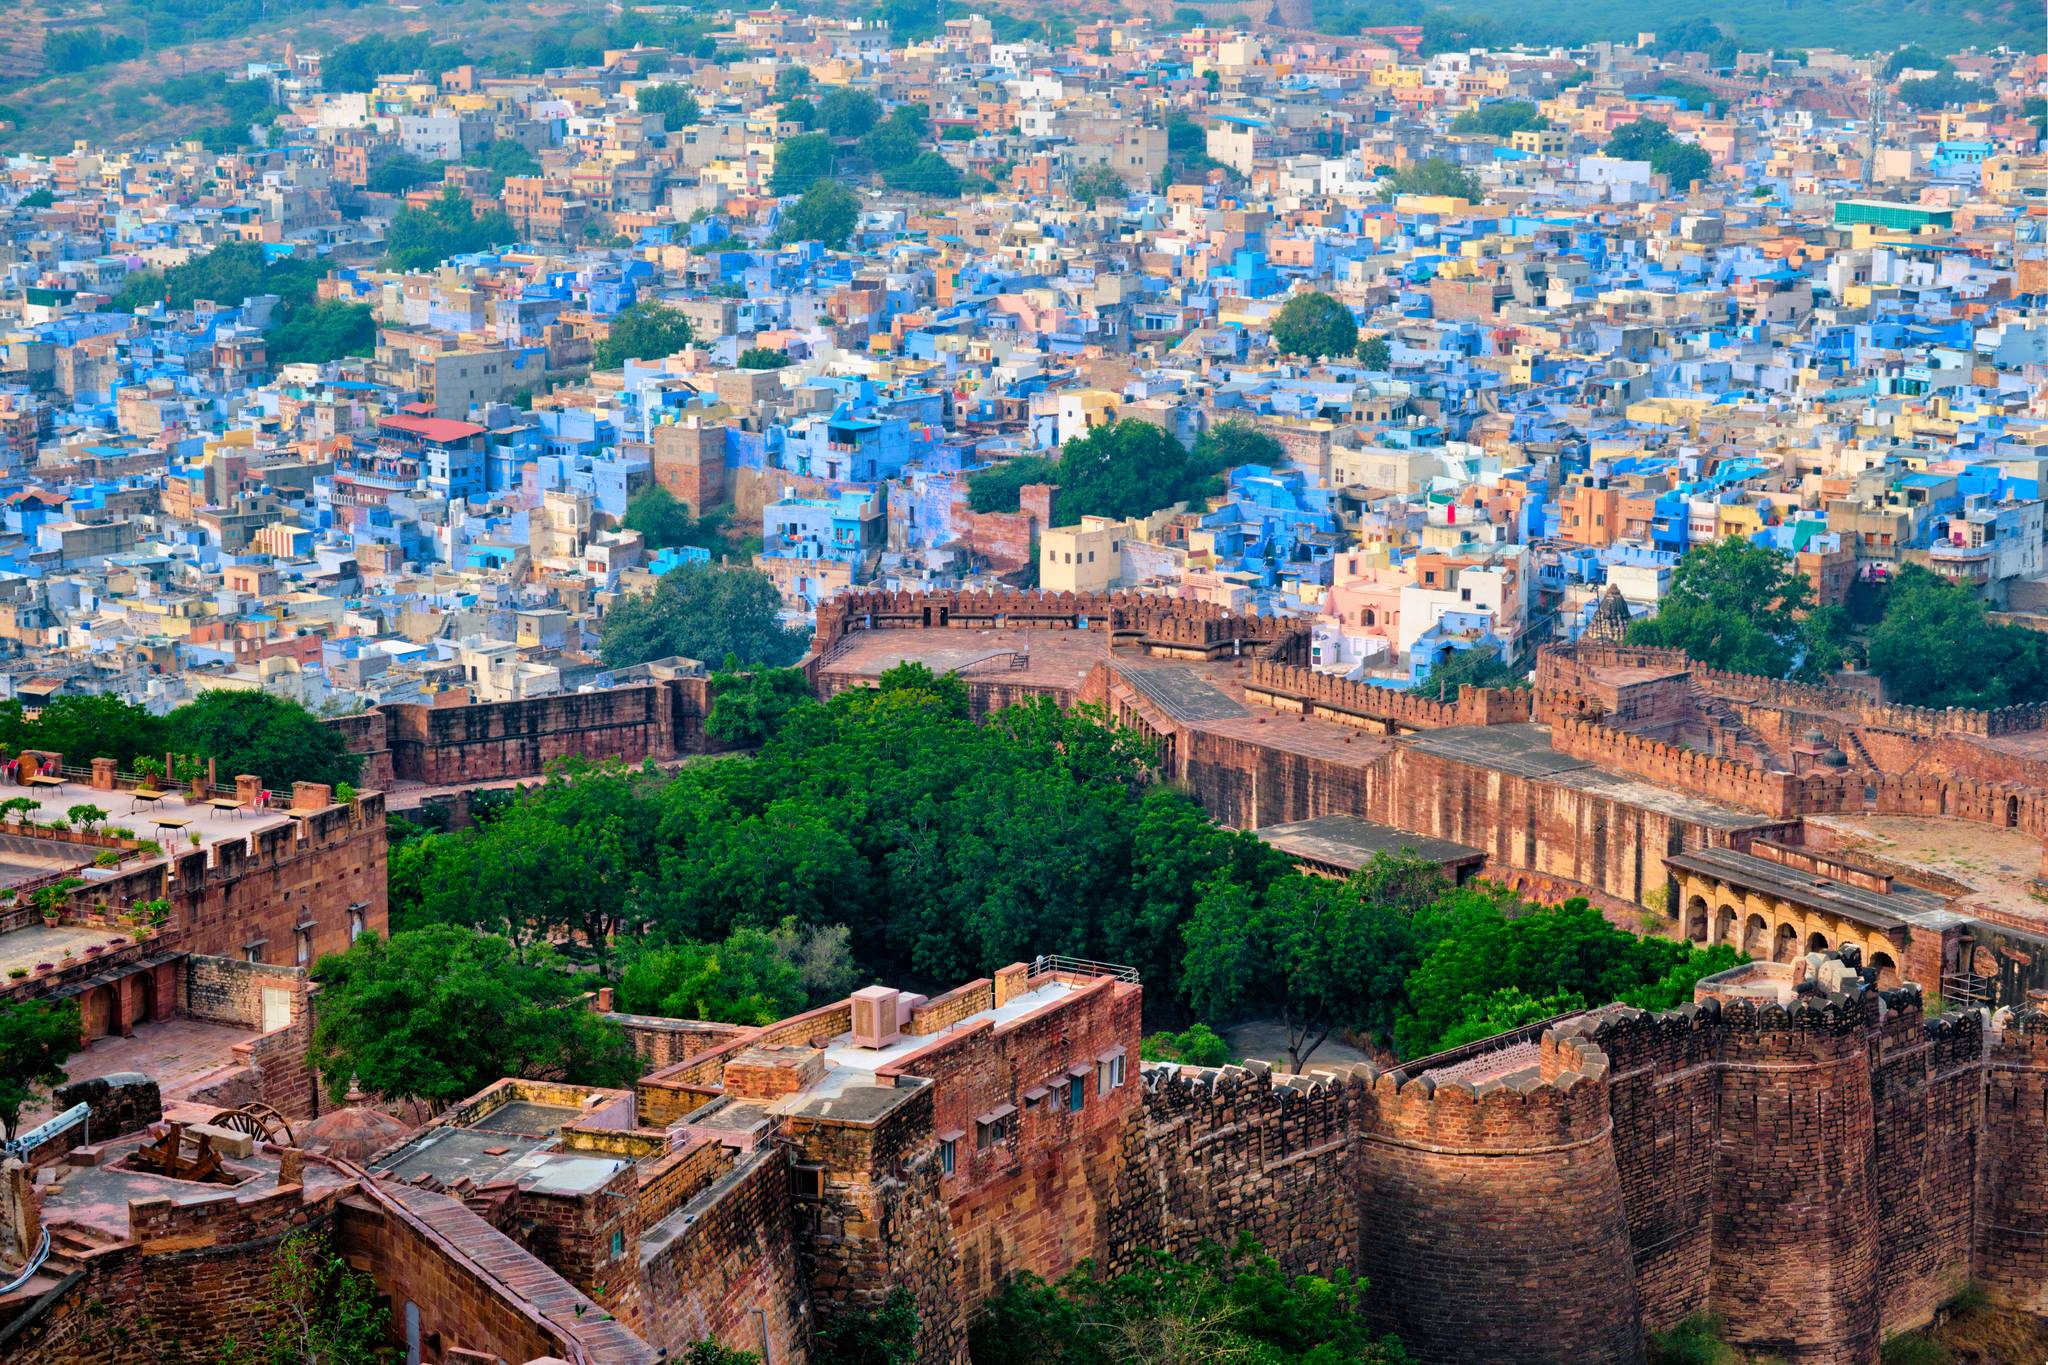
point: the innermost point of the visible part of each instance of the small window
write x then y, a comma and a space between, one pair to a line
807, 1182
946, 1149
1077, 1095
618, 1242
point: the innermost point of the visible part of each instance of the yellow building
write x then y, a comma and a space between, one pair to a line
1088, 557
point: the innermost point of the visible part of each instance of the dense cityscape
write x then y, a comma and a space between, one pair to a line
1285, 683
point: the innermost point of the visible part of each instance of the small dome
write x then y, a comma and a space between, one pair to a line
1835, 758
355, 1133
1814, 737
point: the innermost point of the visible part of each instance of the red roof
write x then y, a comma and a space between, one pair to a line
440, 430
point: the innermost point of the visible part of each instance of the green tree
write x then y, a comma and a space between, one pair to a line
925, 173
1126, 468
1462, 668
322, 333
1499, 118
1098, 180
673, 100
897, 138
1301, 952
1433, 176
748, 708
436, 1014
998, 489
87, 816
743, 980
1211, 1305
847, 112
36, 1036
1506, 1009
1936, 645
647, 330
1638, 140
709, 1352
1944, 91
801, 112
397, 172
1487, 945
1196, 1045
257, 732
503, 158
886, 1335
322, 1312
762, 358
1233, 442
263, 733
1375, 354
419, 239
1315, 325
791, 81
701, 612
85, 727
1912, 57
1684, 164
826, 213
1741, 606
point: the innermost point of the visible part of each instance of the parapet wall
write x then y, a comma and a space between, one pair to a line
1290, 687
1142, 616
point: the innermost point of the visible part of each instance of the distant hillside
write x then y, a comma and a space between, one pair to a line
1852, 25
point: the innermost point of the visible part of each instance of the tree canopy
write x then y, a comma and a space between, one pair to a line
35, 1038
801, 162
701, 611
827, 213
1375, 354
1936, 645
647, 330
1434, 175
1499, 118
674, 101
1315, 325
1098, 180
847, 112
420, 239
1126, 468
1210, 1305
1743, 607
256, 732
435, 1014
1646, 139
664, 521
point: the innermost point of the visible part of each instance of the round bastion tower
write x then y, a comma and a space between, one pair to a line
1491, 1210
2012, 1175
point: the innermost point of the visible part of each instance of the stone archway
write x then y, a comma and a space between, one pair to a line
1696, 920
1887, 970
99, 1012
1725, 920
1756, 937
1816, 942
1785, 946
144, 999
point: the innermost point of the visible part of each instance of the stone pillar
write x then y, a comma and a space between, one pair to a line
103, 774
248, 789
1011, 982
311, 796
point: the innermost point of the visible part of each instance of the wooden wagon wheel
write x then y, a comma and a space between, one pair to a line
259, 1120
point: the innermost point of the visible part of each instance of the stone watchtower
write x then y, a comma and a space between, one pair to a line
1492, 1225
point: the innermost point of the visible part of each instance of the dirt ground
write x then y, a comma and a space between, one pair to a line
1998, 865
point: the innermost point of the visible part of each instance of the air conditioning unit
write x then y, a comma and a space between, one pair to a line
874, 1017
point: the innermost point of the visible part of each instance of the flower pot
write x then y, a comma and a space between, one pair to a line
43, 968
94, 950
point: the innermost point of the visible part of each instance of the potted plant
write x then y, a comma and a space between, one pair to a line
194, 836
17, 973
93, 949
44, 968
148, 773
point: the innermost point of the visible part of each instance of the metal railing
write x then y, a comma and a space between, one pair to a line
1080, 966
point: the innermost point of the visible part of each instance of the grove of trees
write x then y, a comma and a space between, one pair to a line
243, 732
884, 834
1126, 468
701, 611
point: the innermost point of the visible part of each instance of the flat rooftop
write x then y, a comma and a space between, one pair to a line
1525, 750
1052, 658
1997, 865
1882, 909
1349, 842
96, 1197
849, 1066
